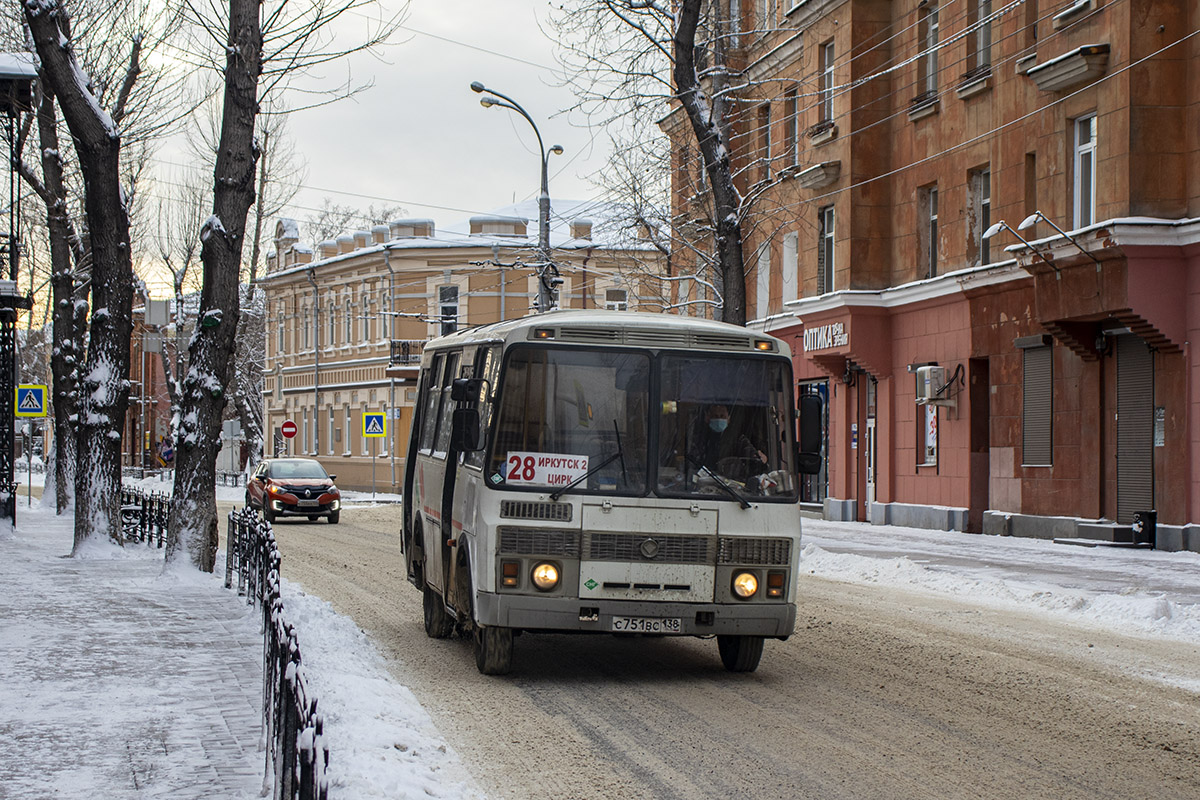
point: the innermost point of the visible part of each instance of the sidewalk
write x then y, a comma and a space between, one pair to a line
120, 681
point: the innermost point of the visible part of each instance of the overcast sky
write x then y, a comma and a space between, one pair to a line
419, 138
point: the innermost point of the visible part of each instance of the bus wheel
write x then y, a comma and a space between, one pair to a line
438, 624
493, 650
740, 653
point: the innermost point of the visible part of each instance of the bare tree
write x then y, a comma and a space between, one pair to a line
264, 48
105, 385
627, 60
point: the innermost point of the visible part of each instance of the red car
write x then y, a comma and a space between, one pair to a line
293, 487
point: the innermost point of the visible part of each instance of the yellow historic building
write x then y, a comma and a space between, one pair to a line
346, 320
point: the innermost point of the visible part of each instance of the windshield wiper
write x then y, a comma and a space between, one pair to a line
557, 493
721, 482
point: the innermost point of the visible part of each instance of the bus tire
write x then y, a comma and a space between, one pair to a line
740, 653
493, 649
438, 624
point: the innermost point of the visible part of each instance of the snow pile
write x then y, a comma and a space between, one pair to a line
382, 743
1128, 609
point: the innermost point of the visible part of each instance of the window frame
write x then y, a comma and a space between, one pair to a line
825, 55
1083, 153
928, 25
826, 248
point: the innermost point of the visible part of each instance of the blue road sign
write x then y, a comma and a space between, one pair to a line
31, 401
374, 425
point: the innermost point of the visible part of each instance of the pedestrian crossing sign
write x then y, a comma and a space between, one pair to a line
31, 401
374, 425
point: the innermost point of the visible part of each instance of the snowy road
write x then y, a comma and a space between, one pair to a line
882, 692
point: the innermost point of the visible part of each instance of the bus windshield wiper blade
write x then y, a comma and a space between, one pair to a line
557, 493
721, 482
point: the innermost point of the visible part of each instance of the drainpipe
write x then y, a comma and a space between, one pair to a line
316, 363
387, 262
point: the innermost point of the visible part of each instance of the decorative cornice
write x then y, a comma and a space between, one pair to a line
820, 175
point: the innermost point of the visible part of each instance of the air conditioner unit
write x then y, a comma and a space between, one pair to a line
931, 384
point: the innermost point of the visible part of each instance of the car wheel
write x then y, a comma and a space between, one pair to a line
493, 649
438, 624
334, 516
268, 514
740, 653
248, 503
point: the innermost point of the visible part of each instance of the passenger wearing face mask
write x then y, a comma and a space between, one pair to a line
722, 451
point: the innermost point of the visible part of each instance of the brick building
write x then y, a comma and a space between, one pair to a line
884, 140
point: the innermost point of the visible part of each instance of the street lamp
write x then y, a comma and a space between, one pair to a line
1002, 225
549, 279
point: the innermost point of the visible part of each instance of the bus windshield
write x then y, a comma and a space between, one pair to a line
571, 416
725, 427
580, 420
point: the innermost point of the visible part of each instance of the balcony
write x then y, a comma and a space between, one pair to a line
405, 361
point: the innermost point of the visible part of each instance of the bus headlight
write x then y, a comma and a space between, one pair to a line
745, 584
545, 576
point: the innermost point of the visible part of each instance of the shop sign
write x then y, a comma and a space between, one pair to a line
824, 337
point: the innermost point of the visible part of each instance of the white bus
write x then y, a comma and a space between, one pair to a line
599, 471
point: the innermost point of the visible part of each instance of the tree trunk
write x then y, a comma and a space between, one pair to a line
67, 334
105, 384
192, 524
708, 117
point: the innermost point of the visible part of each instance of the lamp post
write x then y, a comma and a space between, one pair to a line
548, 277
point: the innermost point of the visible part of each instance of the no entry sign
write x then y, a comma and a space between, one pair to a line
288, 428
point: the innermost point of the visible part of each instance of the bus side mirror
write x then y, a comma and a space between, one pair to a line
808, 459
462, 389
465, 430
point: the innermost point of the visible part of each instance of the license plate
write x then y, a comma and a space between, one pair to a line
309, 503
647, 625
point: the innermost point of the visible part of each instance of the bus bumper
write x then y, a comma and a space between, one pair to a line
567, 615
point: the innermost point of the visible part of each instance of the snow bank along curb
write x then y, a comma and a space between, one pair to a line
297, 752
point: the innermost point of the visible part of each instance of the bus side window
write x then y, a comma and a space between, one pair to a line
446, 409
430, 396
487, 367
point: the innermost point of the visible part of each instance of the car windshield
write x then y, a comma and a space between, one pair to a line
725, 428
297, 469
572, 416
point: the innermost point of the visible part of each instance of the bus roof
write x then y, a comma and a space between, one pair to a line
628, 328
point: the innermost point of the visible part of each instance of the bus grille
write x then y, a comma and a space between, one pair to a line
670, 549
521, 509
539, 541
740, 550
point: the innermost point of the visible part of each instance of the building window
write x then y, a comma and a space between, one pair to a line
791, 265
763, 280
927, 198
979, 42
791, 110
448, 308
825, 223
616, 300
366, 319
765, 14
347, 428
1037, 429
927, 60
305, 323
825, 102
1085, 171
332, 320
764, 141
979, 183
349, 319
331, 433
280, 333
385, 318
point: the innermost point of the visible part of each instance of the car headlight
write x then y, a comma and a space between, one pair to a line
273, 489
745, 585
545, 576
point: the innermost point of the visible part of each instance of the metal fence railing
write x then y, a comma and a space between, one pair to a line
297, 756
144, 516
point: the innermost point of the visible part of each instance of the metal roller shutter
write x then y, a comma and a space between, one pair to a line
1037, 440
1135, 427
